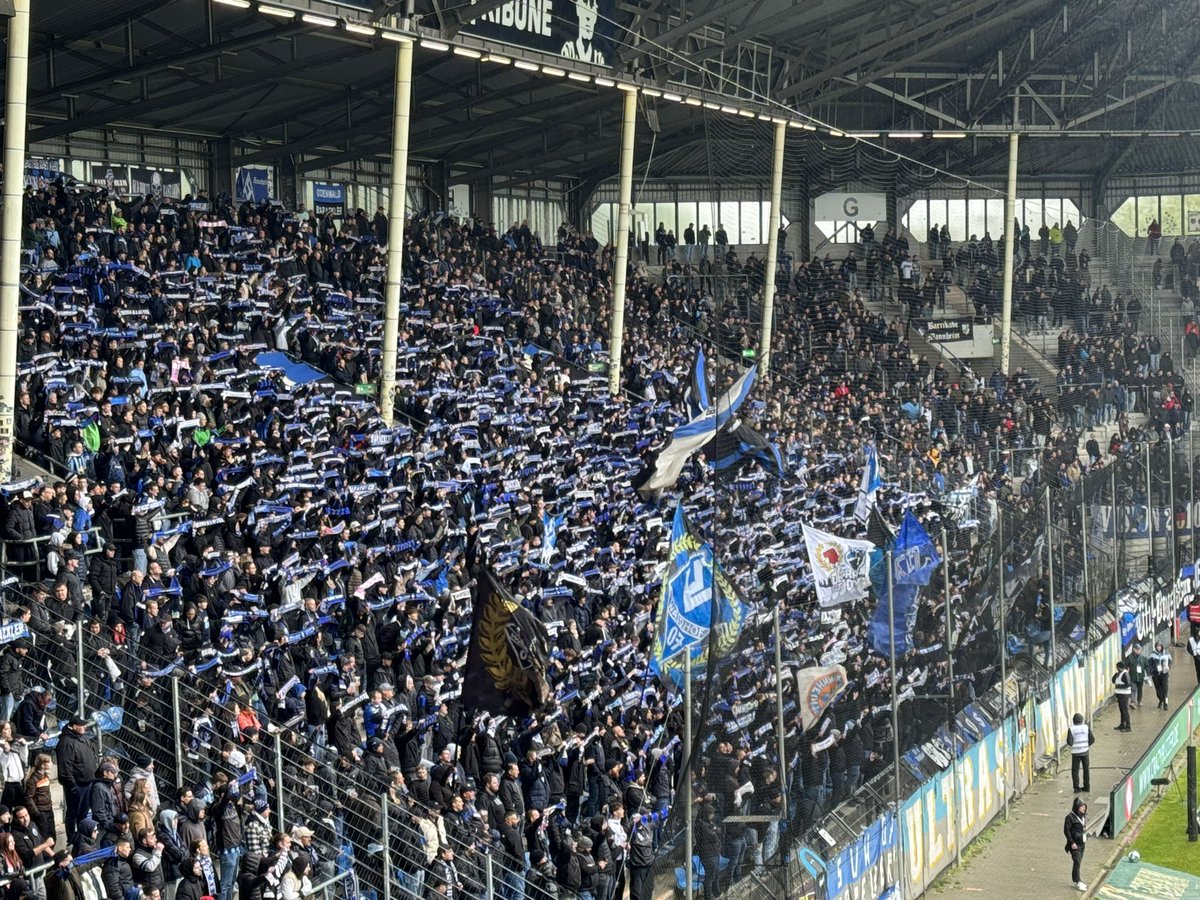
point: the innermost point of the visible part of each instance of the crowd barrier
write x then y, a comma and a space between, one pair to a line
901, 856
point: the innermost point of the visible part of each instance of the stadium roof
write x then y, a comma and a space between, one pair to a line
1101, 71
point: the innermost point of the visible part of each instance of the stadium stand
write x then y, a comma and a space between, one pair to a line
268, 592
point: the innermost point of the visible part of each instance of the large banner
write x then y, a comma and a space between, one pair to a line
1134, 788
41, 173
581, 30
253, 184
113, 177
159, 184
329, 198
869, 867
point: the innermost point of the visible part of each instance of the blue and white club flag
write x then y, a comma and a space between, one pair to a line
840, 566
696, 396
915, 556
550, 526
869, 484
700, 610
663, 471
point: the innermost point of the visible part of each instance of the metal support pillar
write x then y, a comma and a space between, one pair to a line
15, 90
385, 838
397, 191
177, 728
624, 217
1010, 211
279, 809
80, 691
768, 308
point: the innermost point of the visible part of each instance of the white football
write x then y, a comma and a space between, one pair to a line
1134, 856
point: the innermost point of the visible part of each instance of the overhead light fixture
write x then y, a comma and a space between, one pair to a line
863, 135
672, 96
236, 4
748, 113
553, 71
625, 86
579, 76
778, 121
652, 92
949, 134
468, 52
808, 127
323, 21
906, 135
794, 124
833, 132
397, 37
708, 104
526, 66
277, 11
434, 45
355, 28
692, 101
766, 117
497, 58
732, 110
601, 81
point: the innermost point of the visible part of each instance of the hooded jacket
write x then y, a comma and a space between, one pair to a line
1075, 826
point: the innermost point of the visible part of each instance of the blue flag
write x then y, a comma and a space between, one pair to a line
868, 485
915, 557
697, 602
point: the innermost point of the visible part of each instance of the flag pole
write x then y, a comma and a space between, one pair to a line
688, 836
1003, 651
950, 698
779, 726
1053, 628
895, 706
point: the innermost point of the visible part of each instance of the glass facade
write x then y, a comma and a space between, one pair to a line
1178, 214
967, 217
746, 222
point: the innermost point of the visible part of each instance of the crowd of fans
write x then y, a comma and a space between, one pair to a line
304, 570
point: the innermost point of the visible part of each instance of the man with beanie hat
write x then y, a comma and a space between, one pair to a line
77, 764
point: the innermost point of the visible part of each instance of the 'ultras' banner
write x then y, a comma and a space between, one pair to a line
581, 30
869, 867
954, 806
840, 566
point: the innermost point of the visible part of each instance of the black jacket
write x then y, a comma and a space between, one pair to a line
77, 761
1075, 826
118, 877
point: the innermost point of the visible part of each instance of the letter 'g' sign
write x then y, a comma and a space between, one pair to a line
851, 208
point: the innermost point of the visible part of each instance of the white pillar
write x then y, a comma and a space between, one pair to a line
1010, 212
398, 188
624, 218
764, 352
10, 240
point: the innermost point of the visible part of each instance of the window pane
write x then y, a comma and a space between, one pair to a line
916, 220
1053, 212
956, 218
995, 219
707, 214
976, 212
1191, 209
937, 218
1034, 216
687, 216
1171, 205
664, 214
643, 214
731, 219
1125, 217
1071, 213
1147, 212
751, 231
603, 226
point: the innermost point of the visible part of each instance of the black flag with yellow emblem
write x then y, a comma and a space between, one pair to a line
508, 655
